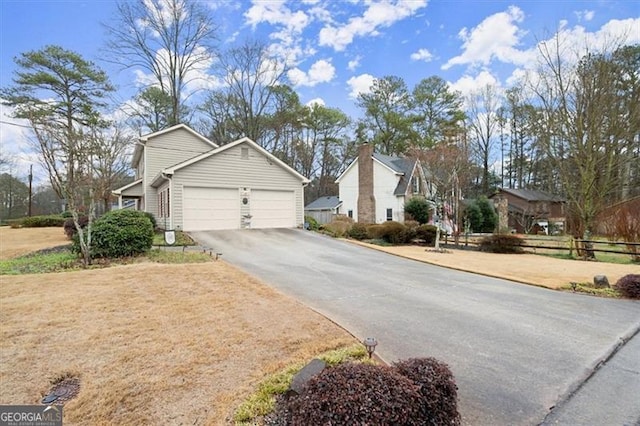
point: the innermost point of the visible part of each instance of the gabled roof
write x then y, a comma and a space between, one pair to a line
145, 138
324, 203
119, 191
171, 170
401, 166
532, 195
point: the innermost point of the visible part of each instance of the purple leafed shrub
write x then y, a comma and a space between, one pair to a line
438, 390
629, 286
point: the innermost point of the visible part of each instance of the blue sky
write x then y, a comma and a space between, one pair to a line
338, 46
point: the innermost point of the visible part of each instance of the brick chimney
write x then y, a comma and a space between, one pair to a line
366, 199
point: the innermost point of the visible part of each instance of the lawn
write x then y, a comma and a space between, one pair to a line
151, 343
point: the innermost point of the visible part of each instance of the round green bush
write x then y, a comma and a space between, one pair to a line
427, 233
120, 233
437, 388
418, 208
355, 394
358, 231
629, 286
502, 243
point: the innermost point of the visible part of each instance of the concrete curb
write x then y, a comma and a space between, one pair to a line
575, 387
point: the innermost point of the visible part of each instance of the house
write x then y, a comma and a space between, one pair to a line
529, 211
323, 209
375, 187
190, 183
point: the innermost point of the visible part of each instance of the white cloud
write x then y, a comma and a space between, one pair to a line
377, 15
585, 15
496, 37
321, 71
17, 148
354, 63
315, 101
468, 84
360, 84
422, 55
288, 25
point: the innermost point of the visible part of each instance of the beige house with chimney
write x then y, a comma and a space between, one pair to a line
375, 187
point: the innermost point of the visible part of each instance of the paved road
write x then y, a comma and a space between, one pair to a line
515, 350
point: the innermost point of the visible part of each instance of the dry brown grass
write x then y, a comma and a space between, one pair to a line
526, 268
151, 343
16, 242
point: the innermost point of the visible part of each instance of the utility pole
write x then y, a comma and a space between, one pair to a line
30, 187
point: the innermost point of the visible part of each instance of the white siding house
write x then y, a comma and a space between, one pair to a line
377, 192
191, 184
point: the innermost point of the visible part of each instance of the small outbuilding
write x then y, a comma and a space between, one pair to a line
323, 209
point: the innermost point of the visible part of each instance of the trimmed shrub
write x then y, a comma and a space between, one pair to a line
438, 390
358, 231
151, 218
120, 233
395, 233
502, 243
337, 228
351, 394
489, 215
473, 215
427, 233
42, 221
629, 286
70, 228
418, 208
313, 223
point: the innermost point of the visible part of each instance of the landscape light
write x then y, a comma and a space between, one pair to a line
370, 343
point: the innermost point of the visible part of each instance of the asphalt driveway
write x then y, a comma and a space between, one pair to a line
515, 350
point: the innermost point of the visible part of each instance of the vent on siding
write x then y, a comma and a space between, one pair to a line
244, 153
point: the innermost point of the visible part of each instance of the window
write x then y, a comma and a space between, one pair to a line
389, 214
415, 184
163, 203
244, 153
350, 214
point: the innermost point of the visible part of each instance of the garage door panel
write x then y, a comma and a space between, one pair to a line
210, 208
272, 209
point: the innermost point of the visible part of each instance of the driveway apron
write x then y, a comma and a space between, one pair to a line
516, 350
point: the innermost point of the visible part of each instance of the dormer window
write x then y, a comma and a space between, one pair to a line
415, 185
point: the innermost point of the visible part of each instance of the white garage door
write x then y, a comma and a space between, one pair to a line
210, 208
272, 209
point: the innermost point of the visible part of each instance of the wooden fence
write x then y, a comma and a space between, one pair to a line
583, 248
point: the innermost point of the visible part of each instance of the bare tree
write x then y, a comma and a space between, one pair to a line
483, 120
242, 105
171, 39
587, 117
111, 149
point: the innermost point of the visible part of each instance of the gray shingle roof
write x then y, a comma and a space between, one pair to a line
399, 165
324, 203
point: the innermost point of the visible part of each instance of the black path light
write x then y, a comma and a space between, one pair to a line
370, 343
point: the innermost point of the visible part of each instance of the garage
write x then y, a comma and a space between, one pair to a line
211, 208
272, 209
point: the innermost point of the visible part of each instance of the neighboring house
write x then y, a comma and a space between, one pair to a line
530, 211
323, 209
375, 187
619, 220
189, 183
